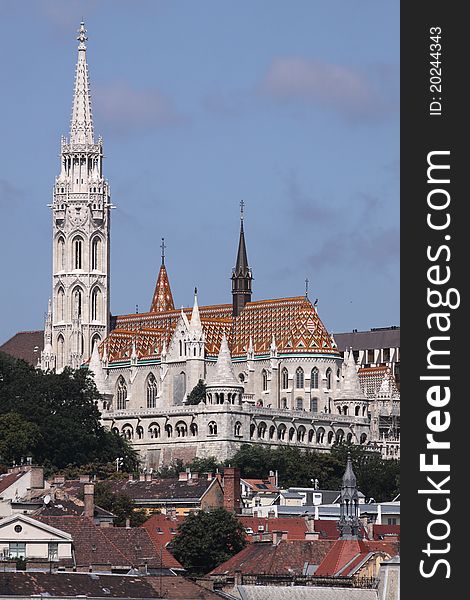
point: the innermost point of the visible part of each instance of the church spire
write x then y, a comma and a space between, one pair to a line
162, 298
81, 126
349, 523
241, 274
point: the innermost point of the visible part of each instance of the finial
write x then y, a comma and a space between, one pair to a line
306, 287
162, 246
195, 291
242, 208
82, 37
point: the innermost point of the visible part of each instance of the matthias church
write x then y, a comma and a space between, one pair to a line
272, 372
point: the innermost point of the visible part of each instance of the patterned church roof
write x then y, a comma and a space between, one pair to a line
294, 323
162, 298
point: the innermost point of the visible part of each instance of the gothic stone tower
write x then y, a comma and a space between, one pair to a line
81, 223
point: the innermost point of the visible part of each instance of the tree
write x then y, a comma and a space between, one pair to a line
18, 438
118, 503
57, 418
198, 393
208, 538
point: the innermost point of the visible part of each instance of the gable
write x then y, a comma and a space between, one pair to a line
31, 531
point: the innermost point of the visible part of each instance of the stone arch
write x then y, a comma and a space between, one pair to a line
60, 352
154, 431
301, 431
311, 435
262, 430
181, 429
252, 430
330, 438
96, 253
272, 431
264, 380
212, 428
281, 432
237, 430
363, 438
339, 436
357, 410
328, 376
127, 431
291, 434
320, 435
96, 301
349, 438
169, 430
77, 252
139, 431
193, 429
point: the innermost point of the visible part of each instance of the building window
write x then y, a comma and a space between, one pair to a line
301, 434
314, 405
77, 303
121, 393
283, 402
193, 429
151, 391
357, 410
53, 551
95, 340
363, 438
238, 428
299, 378
328, 379
60, 254
370, 356
154, 431
77, 253
17, 549
212, 428
169, 430
95, 304
252, 430
140, 432
291, 434
272, 430
386, 354
320, 435
281, 432
181, 429
339, 436
60, 353
264, 377
314, 379
262, 430
127, 432
60, 304
299, 404
96, 254
285, 379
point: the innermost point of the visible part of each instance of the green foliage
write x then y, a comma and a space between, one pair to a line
376, 477
119, 504
206, 539
56, 419
198, 393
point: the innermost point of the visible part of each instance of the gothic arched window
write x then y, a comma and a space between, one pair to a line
96, 304
181, 429
151, 391
299, 378
60, 353
281, 432
328, 379
264, 377
314, 405
262, 430
77, 245
96, 254
140, 432
121, 394
299, 404
212, 427
77, 302
95, 340
60, 304
285, 379
301, 431
320, 435
193, 429
60, 254
238, 428
314, 379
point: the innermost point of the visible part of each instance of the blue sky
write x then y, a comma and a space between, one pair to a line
291, 106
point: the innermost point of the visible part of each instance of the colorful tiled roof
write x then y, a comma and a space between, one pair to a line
376, 381
162, 298
292, 322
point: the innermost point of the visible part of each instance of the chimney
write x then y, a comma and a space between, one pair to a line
142, 477
312, 535
148, 477
37, 478
59, 479
271, 514
183, 476
209, 476
84, 479
272, 478
131, 477
232, 489
195, 476
89, 500
278, 536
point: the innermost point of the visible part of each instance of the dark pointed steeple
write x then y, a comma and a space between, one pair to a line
349, 523
241, 274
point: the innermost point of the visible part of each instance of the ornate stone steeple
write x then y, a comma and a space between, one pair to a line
81, 222
349, 523
162, 298
223, 385
241, 274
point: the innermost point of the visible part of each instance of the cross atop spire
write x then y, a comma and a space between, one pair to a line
306, 287
242, 208
162, 246
81, 127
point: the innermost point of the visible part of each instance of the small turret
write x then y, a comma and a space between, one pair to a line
349, 523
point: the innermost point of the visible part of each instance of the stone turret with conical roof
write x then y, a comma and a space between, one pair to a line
223, 385
349, 524
195, 347
351, 399
241, 274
